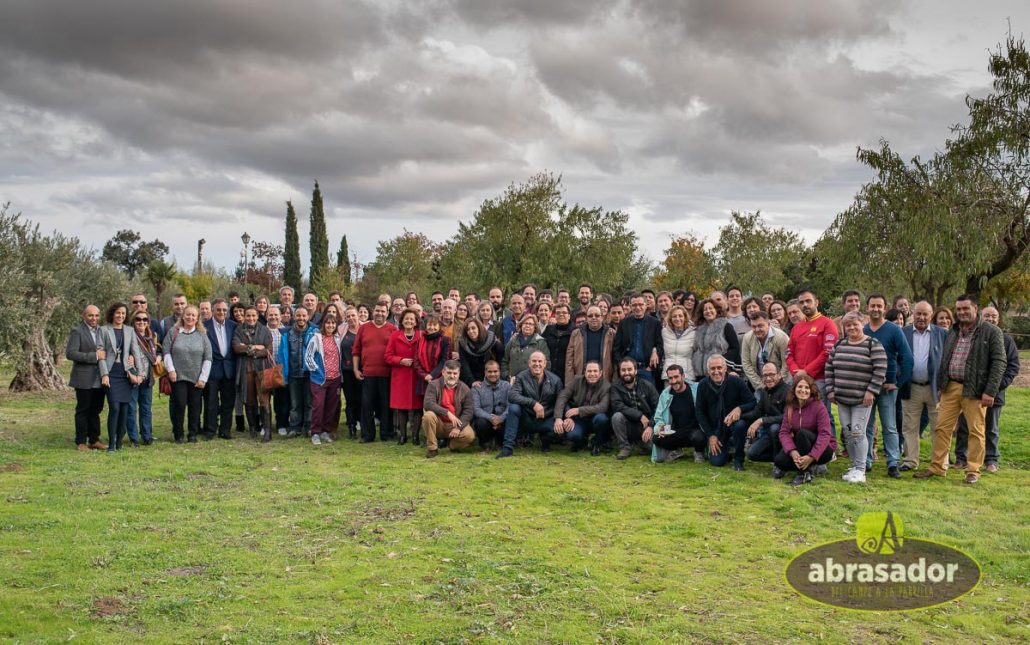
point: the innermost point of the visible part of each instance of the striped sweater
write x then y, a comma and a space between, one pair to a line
854, 369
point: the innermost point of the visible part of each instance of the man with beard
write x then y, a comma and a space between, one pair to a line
178, 306
764, 431
590, 342
509, 325
448, 410
490, 406
633, 401
722, 400
899, 371
675, 422
291, 356
557, 337
496, 298
531, 405
582, 409
639, 337
371, 368
810, 344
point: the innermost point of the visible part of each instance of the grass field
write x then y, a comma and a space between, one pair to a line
285, 542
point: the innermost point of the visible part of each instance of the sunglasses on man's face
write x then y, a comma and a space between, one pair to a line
139, 302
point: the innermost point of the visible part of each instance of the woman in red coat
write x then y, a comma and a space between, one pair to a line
405, 385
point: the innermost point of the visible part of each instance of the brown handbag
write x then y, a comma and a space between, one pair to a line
272, 378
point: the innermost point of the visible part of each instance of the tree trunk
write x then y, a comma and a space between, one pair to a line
37, 371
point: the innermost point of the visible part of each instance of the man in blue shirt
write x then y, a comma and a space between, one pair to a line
899, 371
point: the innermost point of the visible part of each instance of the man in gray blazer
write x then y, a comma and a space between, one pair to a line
926, 341
85, 350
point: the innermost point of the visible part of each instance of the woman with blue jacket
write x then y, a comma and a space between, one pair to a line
322, 359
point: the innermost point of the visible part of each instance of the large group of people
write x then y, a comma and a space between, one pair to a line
727, 378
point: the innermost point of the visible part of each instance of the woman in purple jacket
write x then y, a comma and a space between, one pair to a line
806, 438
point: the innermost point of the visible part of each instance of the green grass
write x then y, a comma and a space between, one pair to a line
243, 542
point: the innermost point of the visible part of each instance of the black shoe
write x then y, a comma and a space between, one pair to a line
905, 468
240, 423
147, 442
207, 437
402, 439
179, 440
545, 447
505, 452
364, 440
868, 469
575, 448
193, 438
133, 443
225, 436
893, 472
595, 451
802, 478
738, 467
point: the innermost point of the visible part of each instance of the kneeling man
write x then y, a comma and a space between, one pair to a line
448, 409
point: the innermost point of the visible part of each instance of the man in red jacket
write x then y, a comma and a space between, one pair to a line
371, 368
810, 345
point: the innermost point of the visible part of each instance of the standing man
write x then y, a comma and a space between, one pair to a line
899, 371
970, 378
291, 356
529, 296
286, 298
585, 295
507, 326
85, 350
557, 337
496, 298
734, 299
763, 344
926, 341
993, 316
639, 337
437, 301
371, 368
220, 391
178, 306
634, 401
590, 342
280, 396
811, 342
448, 410
447, 310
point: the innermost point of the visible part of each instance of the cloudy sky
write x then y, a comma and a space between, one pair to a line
200, 118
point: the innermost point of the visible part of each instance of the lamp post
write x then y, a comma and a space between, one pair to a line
246, 255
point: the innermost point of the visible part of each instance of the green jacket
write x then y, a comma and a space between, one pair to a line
985, 364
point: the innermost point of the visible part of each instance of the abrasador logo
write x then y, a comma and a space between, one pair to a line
881, 569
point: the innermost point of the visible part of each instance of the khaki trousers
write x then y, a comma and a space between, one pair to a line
913, 410
432, 426
953, 405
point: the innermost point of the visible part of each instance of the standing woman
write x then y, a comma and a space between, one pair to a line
690, 304
262, 308
433, 352
521, 346
322, 358
351, 385
678, 341
461, 314
401, 355
252, 343
411, 299
855, 371
485, 314
943, 318
188, 361
119, 374
806, 438
714, 336
543, 314
364, 313
476, 346
141, 407
778, 316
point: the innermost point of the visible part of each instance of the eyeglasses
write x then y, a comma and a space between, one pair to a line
139, 302
141, 320
593, 315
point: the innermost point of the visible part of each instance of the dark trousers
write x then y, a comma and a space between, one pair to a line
375, 401
352, 398
185, 403
117, 424
733, 436
221, 401
766, 443
803, 441
598, 425
89, 403
683, 438
521, 421
281, 406
991, 436
300, 404
486, 432
325, 406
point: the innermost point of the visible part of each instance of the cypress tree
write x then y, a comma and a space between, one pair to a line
343, 261
319, 239
291, 256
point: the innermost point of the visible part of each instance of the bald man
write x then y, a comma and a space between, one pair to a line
85, 351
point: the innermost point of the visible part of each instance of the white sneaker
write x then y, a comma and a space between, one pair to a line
326, 438
282, 432
315, 440
849, 475
858, 478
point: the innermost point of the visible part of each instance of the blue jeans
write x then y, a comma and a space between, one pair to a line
584, 426
765, 444
883, 407
141, 405
526, 420
737, 433
300, 404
